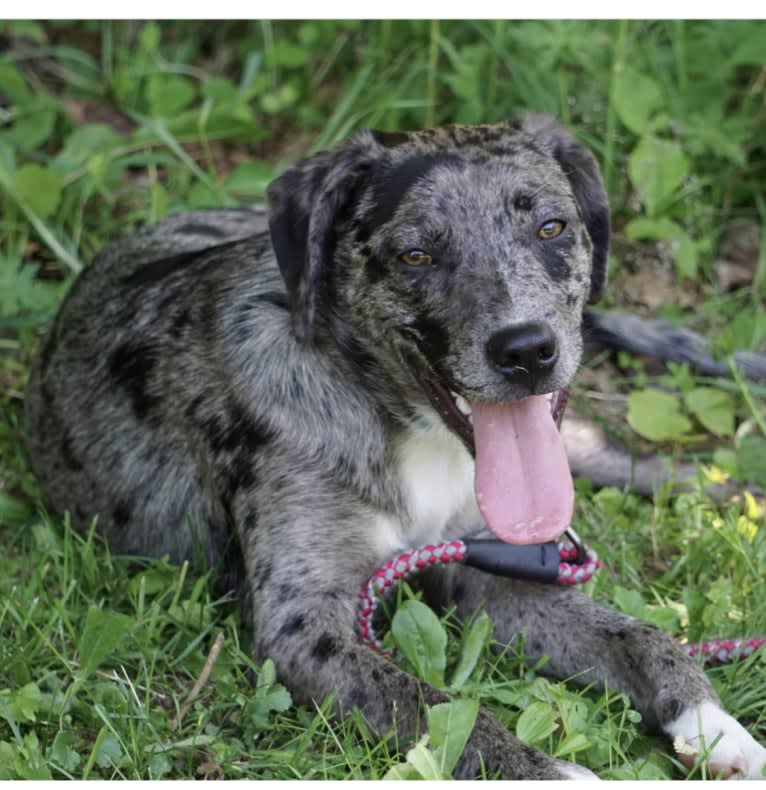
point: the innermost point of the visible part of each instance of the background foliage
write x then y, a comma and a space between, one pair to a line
104, 126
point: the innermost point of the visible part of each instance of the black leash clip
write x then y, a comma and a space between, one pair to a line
535, 562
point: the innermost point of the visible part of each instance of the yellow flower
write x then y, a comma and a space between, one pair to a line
714, 474
753, 510
747, 528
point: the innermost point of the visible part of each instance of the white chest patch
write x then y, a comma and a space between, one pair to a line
436, 474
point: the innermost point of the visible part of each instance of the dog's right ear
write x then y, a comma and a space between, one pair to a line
305, 204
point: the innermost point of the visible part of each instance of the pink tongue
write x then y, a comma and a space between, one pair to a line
522, 480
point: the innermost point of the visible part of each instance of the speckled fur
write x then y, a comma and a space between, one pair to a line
215, 392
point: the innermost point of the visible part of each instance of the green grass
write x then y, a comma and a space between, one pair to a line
105, 126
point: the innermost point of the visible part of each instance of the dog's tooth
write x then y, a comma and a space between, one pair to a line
462, 405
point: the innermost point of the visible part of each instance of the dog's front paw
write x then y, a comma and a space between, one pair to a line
576, 772
728, 747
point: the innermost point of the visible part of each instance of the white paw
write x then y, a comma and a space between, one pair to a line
731, 750
576, 772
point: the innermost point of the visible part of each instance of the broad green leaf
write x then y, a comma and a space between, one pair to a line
61, 752
269, 696
109, 751
159, 765
31, 763
249, 179
104, 630
423, 640
8, 752
449, 727
220, 89
681, 245
629, 601
664, 617
536, 723
657, 168
396, 773
655, 415
751, 458
149, 38
635, 97
726, 460
84, 143
574, 742
167, 94
23, 703
33, 129
39, 187
423, 760
713, 408
473, 645
13, 87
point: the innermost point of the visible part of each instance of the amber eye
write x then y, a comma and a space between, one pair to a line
415, 257
551, 229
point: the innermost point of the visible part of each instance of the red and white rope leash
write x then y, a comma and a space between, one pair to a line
392, 572
475, 553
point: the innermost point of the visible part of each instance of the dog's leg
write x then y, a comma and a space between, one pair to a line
662, 340
304, 584
596, 644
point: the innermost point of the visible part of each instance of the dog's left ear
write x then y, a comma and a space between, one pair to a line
305, 205
581, 168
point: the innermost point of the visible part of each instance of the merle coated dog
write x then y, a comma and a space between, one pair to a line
368, 375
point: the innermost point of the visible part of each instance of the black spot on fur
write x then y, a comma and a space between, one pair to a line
375, 675
358, 698
287, 592
391, 185
556, 262
121, 514
326, 647
523, 202
433, 339
292, 626
194, 404
158, 270
262, 575
180, 322
375, 269
131, 367
353, 350
67, 453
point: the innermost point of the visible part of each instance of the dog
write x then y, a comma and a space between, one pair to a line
298, 404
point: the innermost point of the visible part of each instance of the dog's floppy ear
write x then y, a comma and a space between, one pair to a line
581, 168
305, 204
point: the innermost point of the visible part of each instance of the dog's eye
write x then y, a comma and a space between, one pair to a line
415, 257
551, 229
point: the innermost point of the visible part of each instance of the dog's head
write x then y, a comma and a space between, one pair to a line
470, 251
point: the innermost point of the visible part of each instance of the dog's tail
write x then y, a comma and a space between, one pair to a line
605, 329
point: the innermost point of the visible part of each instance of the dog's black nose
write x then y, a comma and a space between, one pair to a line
524, 350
